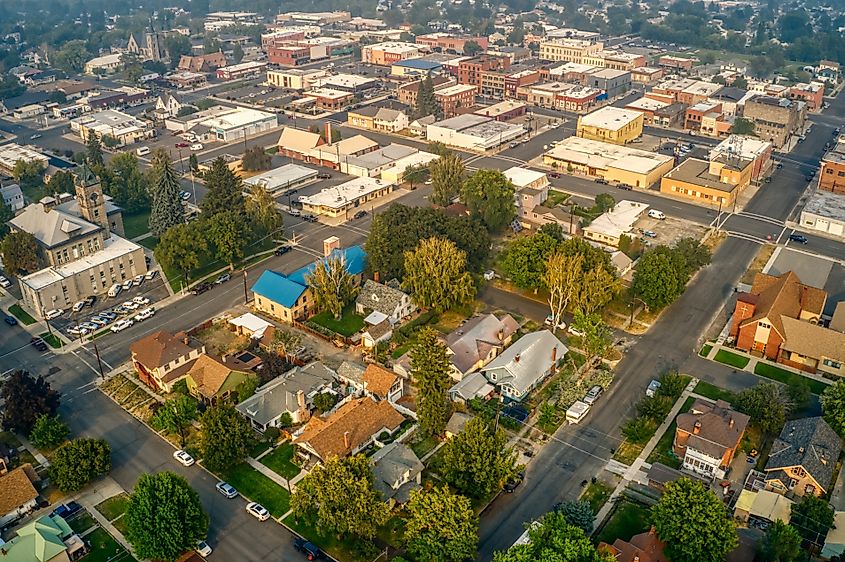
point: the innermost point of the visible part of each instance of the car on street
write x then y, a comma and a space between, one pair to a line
222, 278
5, 283
554, 174
294, 213
114, 290
145, 314
77, 306
655, 214
90, 326
184, 195
151, 275
121, 310
141, 300
324, 176
127, 284
800, 238
308, 549
513, 482
54, 313
601, 181
489, 275
281, 250
196, 146
137, 280
779, 165
121, 325
593, 395
653, 387
624, 187
360, 214
89, 301
309, 218
201, 288
36, 136
513, 145
10, 320
226, 489
258, 511
203, 549
38, 343
182, 145
183, 458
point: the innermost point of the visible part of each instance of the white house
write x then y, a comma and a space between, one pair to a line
525, 364
13, 196
396, 471
395, 304
167, 106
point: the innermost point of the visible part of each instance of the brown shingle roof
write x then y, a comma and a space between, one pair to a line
812, 340
210, 372
378, 379
645, 547
160, 348
721, 427
16, 488
355, 422
784, 295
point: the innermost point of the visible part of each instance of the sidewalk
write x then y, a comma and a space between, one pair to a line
97, 494
42, 460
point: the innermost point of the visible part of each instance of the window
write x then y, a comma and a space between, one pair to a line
764, 325
831, 363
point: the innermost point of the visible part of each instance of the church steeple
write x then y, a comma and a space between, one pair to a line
89, 197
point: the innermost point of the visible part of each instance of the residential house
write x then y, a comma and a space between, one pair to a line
645, 547
12, 196
419, 126
374, 381
167, 106
803, 458
296, 143
292, 393
377, 118
397, 470
473, 385
249, 325
524, 365
47, 539
708, 436
162, 358
478, 341
814, 348
214, 379
347, 430
376, 332
18, 496
757, 321
386, 299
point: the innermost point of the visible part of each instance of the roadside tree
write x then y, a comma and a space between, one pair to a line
27, 399
436, 275
430, 373
225, 437
181, 248
833, 406
125, 183
20, 253
442, 526
478, 461
768, 404
598, 337
524, 260
77, 462
447, 174
166, 209
48, 431
176, 416
553, 539
656, 280
579, 514
489, 196
261, 209
229, 235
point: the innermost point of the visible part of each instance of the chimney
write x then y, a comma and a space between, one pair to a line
329, 244
328, 133
375, 276
554, 354
801, 450
346, 439
300, 401
696, 429
501, 334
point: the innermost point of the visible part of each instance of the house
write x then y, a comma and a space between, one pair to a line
645, 547
803, 458
473, 385
12, 196
202, 63
347, 430
18, 496
214, 379
167, 105
708, 436
525, 364
478, 341
389, 300
162, 358
378, 330
292, 393
396, 470
763, 506
47, 539
374, 381
757, 321
250, 325
814, 348
456, 423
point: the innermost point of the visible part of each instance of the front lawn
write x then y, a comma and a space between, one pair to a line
556, 198
150, 242
136, 224
279, 461
628, 519
732, 359
705, 350
82, 522
788, 377
113, 507
257, 487
596, 494
51, 339
422, 447
105, 549
714, 392
349, 324
22, 315
347, 549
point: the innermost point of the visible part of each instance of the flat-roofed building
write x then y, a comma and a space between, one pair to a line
503, 111
294, 78
609, 228
570, 72
569, 50
775, 119
124, 128
415, 67
338, 200
242, 70
646, 74
351, 83
613, 82
407, 93
615, 163
330, 99
11, 154
372, 163
222, 123
331, 155
473, 132
825, 212
812, 94
619, 60
714, 183
389, 52
748, 148
395, 172
676, 63
106, 64
453, 97
832, 173
648, 107
611, 124
449, 43
283, 179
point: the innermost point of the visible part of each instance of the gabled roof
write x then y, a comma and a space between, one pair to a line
393, 463
812, 340
278, 288
378, 380
298, 140
51, 227
16, 488
41, 540
721, 427
380, 297
211, 372
783, 295
354, 258
473, 341
527, 360
160, 348
809, 443
280, 394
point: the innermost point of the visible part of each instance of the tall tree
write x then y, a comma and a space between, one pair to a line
489, 196
833, 406
693, 523
224, 190
656, 279
427, 103
94, 152
21, 254
76, 463
229, 233
597, 338
261, 208
165, 206
812, 517
578, 513
323, 497
255, 159
6, 214
237, 54
597, 288
781, 543
430, 372
125, 182
553, 538
48, 431
768, 404
562, 278
447, 173
27, 398
28, 174
164, 517
415, 174
524, 260
176, 416
225, 437
436, 275
181, 248
60, 182
441, 527
478, 461
331, 285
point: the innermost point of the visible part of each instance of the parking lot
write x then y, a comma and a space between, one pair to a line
667, 231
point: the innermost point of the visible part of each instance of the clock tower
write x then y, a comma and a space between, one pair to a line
89, 196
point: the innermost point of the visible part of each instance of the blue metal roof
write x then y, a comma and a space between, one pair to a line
354, 257
419, 64
278, 288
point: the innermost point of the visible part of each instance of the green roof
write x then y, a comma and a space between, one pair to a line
38, 541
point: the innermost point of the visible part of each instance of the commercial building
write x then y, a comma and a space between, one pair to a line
717, 182
569, 72
825, 212
415, 67
378, 118
611, 124
448, 43
748, 148
569, 50
646, 74
185, 79
649, 108
676, 63
832, 173
609, 228
395, 172
296, 143
337, 201
330, 99
407, 93
503, 111
208, 62
615, 163
242, 70
372, 163
283, 179
123, 128
331, 155
11, 154
470, 71
107, 64
812, 94
289, 55
294, 78
453, 97
473, 132
387, 53
351, 83
559, 95
221, 123
618, 60
775, 119
613, 82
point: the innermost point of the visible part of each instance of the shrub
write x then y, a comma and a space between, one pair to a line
639, 429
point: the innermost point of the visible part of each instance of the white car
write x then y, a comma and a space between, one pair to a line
184, 458
127, 284
5, 283
489, 275
151, 275
138, 280
121, 325
55, 313
575, 331
550, 320
655, 214
196, 146
141, 300
226, 489
258, 511
77, 306
144, 314
203, 549
131, 305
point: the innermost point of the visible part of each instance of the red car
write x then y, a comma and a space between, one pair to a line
554, 175
182, 145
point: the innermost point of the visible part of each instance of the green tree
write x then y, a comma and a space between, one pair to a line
415, 174
325, 401
489, 196
225, 437
165, 206
255, 159
181, 248
833, 406
472, 48
175, 416
229, 234
125, 182
579, 514
604, 202
597, 338
237, 54
71, 57
60, 182
261, 208
693, 523
430, 372
446, 177
77, 462
28, 173
48, 431
323, 497
441, 527
553, 538
6, 214
812, 517
427, 103
224, 190
332, 287
524, 260
478, 461
193, 162
177, 45
695, 254
657, 279
781, 543
743, 126
21, 254
768, 404
247, 388
436, 275
94, 152
27, 399
164, 517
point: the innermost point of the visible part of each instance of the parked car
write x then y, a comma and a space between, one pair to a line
226, 489
151, 275
145, 314
89, 301
183, 457
575, 331
201, 288
800, 238
90, 326
184, 195
203, 549
131, 305
601, 181
360, 214
10, 320
513, 482
108, 315
258, 511
121, 325
653, 387
550, 320
67, 509
324, 176
310, 550
5, 283
222, 278
624, 187
655, 214
294, 213
196, 146
554, 174
127, 284
281, 250
513, 145
97, 321
593, 395
54, 313
182, 145
115, 289
121, 310
77, 306
489, 275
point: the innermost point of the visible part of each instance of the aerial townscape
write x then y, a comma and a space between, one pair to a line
422, 281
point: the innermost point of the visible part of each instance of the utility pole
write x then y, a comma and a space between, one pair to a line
246, 293
99, 363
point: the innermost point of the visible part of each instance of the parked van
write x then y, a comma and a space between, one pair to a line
143, 151
577, 412
115, 290
655, 214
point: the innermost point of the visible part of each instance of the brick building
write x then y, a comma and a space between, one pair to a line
775, 119
454, 97
470, 71
449, 43
407, 93
832, 176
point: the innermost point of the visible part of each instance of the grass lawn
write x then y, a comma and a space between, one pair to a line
51, 339
105, 549
9, 439
392, 532
279, 461
627, 452
663, 450
628, 519
82, 522
120, 525
705, 350
732, 359
714, 392
259, 448
150, 242
596, 494
113, 507
788, 377
136, 224
348, 325
423, 447
22, 315
344, 549
556, 198
257, 487
400, 351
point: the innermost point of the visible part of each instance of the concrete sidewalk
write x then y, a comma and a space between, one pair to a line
96, 494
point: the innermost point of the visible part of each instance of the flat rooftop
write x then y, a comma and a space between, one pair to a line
743, 146
500, 108
287, 175
697, 172
603, 155
340, 195
521, 177
826, 204
646, 104
454, 90
610, 117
